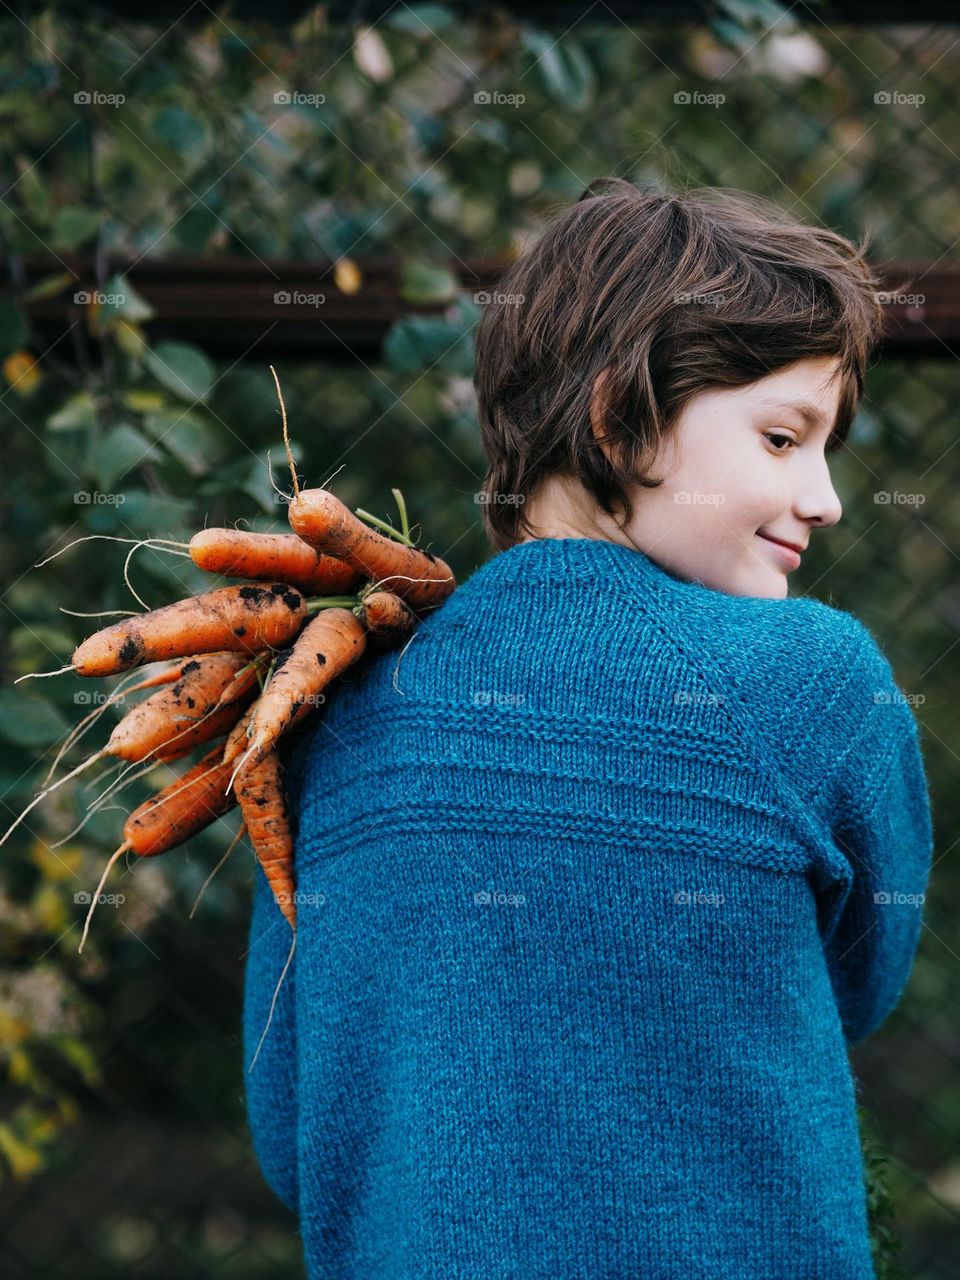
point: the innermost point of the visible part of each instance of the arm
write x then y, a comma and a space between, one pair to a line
878, 811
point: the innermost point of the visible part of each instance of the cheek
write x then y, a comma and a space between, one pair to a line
756, 491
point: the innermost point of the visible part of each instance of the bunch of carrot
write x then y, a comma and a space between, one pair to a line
251, 660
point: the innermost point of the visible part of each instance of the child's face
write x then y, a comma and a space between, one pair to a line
730, 475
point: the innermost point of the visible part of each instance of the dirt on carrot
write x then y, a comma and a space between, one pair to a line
275, 557
240, 618
330, 643
420, 578
263, 804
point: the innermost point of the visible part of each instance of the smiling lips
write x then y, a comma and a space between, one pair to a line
789, 552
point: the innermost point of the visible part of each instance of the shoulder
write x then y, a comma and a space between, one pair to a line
805, 676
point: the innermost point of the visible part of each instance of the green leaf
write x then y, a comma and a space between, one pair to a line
195, 228
74, 227
37, 640
124, 301
731, 33
81, 1056
147, 514
183, 132
13, 328
182, 369
257, 483
49, 286
425, 282
246, 400
420, 19
195, 443
563, 68
144, 401
77, 413
753, 15
865, 429
119, 451
420, 343
28, 719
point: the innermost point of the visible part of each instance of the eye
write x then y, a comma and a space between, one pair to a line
776, 435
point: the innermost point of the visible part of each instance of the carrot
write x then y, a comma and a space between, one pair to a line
203, 704
262, 801
387, 618
184, 807
275, 557
326, 646
166, 676
238, 737
322, 520
80, 728
192, 710
244, 618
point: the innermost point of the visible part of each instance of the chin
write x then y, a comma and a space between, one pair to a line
774, 589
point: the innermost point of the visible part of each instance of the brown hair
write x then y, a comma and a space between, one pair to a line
672, 295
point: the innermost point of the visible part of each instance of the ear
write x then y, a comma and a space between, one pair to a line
598, 413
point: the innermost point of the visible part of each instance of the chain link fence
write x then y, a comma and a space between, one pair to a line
432, 137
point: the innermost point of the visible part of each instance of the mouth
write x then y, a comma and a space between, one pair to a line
788, 552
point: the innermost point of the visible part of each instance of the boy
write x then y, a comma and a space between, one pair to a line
628, 846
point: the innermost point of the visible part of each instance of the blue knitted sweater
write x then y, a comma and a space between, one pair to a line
597, 882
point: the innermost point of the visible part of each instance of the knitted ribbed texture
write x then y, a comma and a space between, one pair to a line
588, 916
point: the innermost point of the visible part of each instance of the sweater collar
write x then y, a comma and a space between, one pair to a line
582, 560
590, 560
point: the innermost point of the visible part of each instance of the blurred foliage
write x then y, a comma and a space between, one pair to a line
438, 136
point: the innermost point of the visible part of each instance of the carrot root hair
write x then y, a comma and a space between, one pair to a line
286, 437
96, 897
273, 1002
97, 755
108, 537
230, 848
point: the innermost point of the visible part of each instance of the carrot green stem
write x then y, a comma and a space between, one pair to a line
331, 602
402, 507
382, 524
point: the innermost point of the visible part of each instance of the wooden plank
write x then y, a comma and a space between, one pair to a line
232, 306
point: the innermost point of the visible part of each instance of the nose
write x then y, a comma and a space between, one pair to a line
817, 501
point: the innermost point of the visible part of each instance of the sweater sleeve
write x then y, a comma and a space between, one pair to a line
271, 1085
878, 811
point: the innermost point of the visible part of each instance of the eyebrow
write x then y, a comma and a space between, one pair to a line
803, 407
